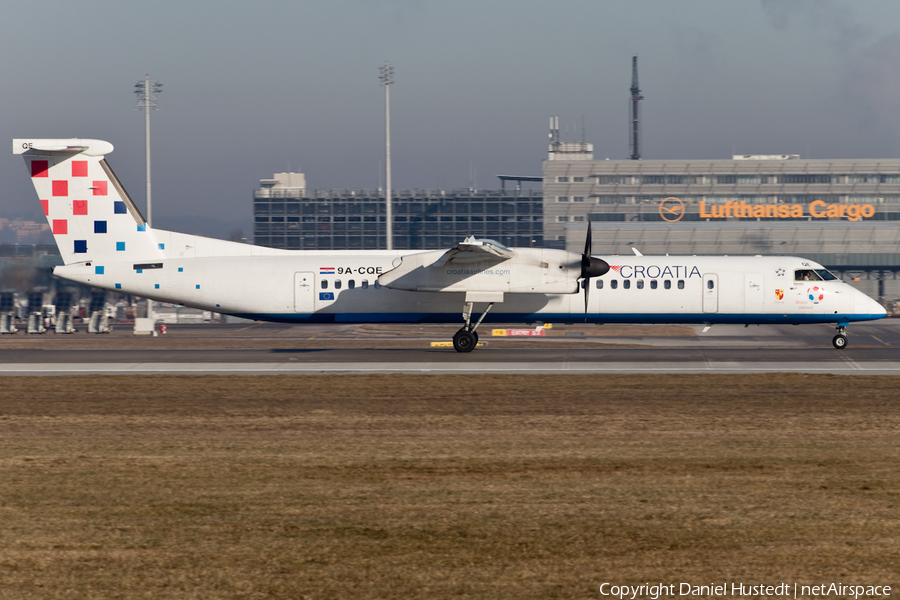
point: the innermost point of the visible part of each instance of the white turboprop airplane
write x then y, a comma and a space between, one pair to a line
105, 242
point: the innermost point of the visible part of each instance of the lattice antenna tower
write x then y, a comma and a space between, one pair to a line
636, 97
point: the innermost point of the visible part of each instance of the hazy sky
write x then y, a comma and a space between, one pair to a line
253, 88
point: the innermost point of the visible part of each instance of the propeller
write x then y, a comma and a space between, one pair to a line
590, 267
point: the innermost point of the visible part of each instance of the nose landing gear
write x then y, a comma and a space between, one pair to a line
840, 340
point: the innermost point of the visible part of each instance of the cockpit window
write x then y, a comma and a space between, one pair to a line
826, 275
806, 275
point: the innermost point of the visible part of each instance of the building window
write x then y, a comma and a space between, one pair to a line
562, 180
578, 179
578, 199
562, 218
612, 179
805, 178
578, 218
562, 198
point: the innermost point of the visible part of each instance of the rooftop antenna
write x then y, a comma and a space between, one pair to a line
554, 132
635, 122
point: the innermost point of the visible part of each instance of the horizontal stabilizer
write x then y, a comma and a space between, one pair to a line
71, 146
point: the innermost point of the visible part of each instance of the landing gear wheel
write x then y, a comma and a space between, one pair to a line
839, 341
475, 333
464, 341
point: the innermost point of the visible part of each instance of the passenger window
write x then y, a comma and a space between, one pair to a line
667, 284
599, 284
681, 284
653, 284
710, 284
365, 284
351, 284
337, 284
324, 284
626, 284
640, 284
377, 285
614, 283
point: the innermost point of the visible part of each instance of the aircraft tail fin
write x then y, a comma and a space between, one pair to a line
91, 216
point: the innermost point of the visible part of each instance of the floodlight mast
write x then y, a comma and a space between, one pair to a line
146, 92
386, 76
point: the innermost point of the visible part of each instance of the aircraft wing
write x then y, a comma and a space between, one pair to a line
476, 265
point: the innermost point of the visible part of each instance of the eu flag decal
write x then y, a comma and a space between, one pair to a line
326, 295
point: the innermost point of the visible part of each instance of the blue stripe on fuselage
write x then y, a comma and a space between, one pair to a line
649, 318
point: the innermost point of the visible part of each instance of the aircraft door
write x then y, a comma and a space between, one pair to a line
754, 294
710, 293
304, 293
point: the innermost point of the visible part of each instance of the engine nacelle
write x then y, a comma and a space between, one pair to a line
526, 271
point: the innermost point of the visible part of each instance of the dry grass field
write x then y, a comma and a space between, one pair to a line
420, 487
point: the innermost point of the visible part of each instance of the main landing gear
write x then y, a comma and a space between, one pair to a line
466, 339
840, 340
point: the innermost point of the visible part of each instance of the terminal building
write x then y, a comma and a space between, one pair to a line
286, 214
841, 213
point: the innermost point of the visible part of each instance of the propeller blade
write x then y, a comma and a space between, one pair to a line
586, 266
587, 240
587, 290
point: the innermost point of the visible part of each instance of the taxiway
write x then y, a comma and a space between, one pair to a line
281, 349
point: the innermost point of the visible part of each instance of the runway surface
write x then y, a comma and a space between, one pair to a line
875, 350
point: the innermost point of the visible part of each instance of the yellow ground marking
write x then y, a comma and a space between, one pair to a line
882, 341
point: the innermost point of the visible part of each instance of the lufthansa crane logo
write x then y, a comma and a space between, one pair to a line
671, 209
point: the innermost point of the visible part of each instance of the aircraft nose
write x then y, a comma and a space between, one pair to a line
868, 306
